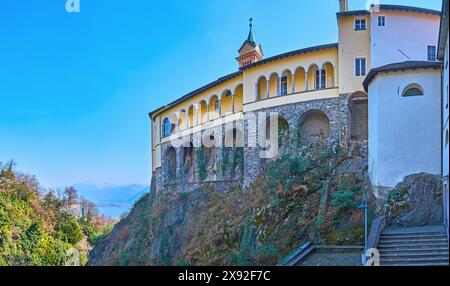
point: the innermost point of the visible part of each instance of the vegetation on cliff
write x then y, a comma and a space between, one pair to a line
38, 227
309, 194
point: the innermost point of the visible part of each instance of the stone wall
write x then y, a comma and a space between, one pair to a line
213, 163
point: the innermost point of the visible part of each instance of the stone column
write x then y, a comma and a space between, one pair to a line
196, 114
232, 103
306, 80
256, 92
293, 83
267, 88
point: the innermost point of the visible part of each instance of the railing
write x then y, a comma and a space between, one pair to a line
297, 255
377, 227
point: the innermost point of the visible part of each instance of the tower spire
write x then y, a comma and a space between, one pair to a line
250, 52
250, 37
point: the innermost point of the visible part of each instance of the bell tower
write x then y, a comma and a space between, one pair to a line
250, 52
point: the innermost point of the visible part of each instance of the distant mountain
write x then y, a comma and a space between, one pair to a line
112, 201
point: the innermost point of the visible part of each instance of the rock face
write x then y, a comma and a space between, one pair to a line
257, 225
416, 201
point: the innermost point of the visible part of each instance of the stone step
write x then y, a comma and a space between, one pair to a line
407, 249
417, 264
414, 230
412, 245
413, 236
418, 240
408, 255
384, 261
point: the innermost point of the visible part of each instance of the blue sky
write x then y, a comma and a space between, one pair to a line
75, 89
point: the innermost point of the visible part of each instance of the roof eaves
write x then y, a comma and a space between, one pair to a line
399, 66
195, 92
443, 30
291, 53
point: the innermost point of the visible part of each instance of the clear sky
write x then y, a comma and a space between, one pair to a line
76, 89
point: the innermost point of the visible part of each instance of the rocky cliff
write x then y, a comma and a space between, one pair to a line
312, 194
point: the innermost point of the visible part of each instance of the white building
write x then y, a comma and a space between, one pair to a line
443, 55
404, 120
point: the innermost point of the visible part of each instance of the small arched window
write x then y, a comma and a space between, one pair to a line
167, 128
413, 90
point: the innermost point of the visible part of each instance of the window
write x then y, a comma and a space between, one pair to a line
284, 85
360, 24
360, 67
413, 90
432, 53
167, 128
320, 79
381, 21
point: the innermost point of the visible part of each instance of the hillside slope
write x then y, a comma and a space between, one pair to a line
310, 194
37, 228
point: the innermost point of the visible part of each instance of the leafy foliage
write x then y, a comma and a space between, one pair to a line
37, 227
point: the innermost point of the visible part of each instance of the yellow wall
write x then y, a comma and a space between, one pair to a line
251, 75
352, 44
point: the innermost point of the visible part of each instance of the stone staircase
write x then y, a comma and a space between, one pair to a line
414, 246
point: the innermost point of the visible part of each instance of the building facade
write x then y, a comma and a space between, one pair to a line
443, 55
223, 132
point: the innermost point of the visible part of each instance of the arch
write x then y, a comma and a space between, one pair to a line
274, 79
286, 82
239, 98
314, 126
261, 88
171, 164
312, 76
413, 89
234, 138
328, 67
209, 146
166, 127
214, 107
188, 161
227, 102
358, 110
182, 120
203, 110
282, 132
191, 116
299, 79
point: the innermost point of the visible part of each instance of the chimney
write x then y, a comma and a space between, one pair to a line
343, 5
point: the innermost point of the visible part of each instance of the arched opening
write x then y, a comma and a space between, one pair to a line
314, 127
358, 109
312, 81
227, 103
328, 74
203, 109
214, 108
239, 98
209, 146
166, 128
413, 89
282, 132
188, 162
171, 164
234, 138
286, 82
273, 85
261, 88
299, 80
191, 117
182, 120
